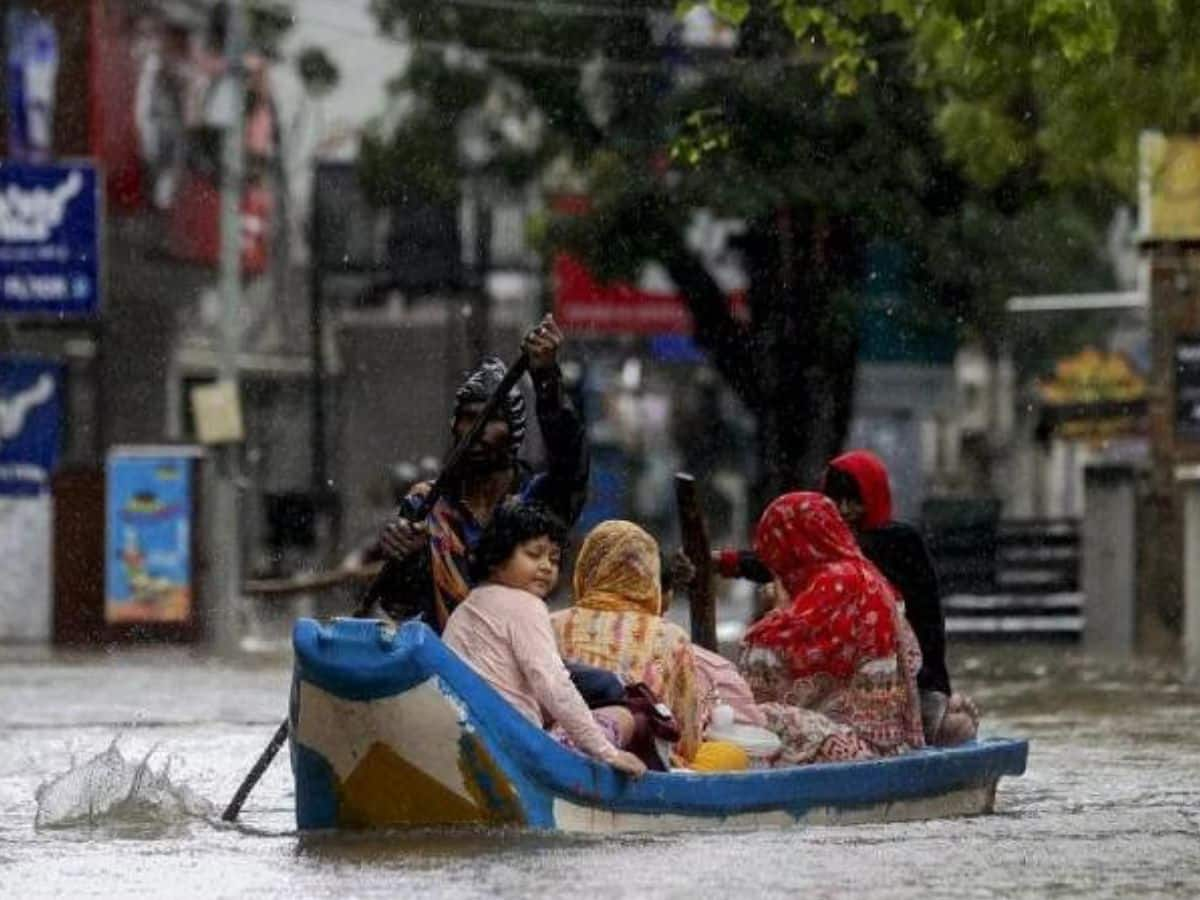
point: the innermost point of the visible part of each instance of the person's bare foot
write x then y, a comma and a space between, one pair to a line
964, 704
957, 728
960, 724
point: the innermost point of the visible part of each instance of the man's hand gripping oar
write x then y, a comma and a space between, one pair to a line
369, 597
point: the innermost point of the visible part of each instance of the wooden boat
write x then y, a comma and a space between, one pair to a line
390, 728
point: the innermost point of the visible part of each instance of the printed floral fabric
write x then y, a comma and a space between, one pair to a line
841, 609
809, 737
841, 650
448, 529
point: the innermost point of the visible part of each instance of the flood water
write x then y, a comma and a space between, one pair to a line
1110, 804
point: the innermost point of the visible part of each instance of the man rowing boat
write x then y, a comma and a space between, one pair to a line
431, 573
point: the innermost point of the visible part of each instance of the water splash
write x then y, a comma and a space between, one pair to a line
109, 790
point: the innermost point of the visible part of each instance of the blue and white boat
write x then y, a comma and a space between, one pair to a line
389, 728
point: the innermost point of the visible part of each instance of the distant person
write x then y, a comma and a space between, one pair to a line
834, 668
707, 441
502, 629
433, 575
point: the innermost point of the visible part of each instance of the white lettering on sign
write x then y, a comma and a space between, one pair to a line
15, 409
23, 472
34, 288
1187, 353
30, 215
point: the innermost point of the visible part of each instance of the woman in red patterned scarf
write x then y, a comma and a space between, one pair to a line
834, 668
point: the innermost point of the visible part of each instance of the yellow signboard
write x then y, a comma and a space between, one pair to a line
1168, 186
1094, 395
1092, 376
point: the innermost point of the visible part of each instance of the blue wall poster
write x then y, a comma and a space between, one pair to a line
148, 534
30, 424
49, 239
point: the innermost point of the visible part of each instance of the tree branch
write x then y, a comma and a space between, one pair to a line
716, 330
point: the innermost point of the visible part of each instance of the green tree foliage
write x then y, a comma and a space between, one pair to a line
1062, 85
823, 145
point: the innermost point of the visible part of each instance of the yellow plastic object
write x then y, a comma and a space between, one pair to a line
720, 756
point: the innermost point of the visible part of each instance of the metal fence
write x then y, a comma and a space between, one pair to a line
1006, 577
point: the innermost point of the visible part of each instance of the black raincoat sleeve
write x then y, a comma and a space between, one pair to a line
563, 486
900, 553
752, 568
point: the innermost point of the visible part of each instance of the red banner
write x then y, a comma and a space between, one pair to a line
583, 304
194, 231
152, 86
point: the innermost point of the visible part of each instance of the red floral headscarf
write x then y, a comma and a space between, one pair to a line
842, 610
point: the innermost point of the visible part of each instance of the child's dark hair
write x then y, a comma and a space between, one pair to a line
513, 523
840, 485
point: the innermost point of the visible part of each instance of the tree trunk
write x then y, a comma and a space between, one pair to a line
793, 365
807, 344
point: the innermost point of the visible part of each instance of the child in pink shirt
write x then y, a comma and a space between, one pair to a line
502, 629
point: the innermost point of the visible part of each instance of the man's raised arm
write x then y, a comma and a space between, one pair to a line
563, 487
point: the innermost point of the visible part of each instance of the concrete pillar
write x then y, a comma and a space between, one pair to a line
1109, 535
1188, 479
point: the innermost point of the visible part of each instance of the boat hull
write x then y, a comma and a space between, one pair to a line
392, 729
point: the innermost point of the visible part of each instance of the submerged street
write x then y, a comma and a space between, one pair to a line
861, 336
1110, 804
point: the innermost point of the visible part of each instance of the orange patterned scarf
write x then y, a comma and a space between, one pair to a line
618, 570
615, 623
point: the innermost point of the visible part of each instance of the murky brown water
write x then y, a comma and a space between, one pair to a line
1110, 805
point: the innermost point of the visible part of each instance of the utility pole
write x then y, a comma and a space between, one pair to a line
316, 331
1170, 241
481, 319
1174, 447
478, 256
326, 502
226, 537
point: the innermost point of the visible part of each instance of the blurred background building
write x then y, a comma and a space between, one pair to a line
359, 315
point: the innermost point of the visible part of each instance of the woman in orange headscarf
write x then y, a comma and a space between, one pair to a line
834, 669
616, 623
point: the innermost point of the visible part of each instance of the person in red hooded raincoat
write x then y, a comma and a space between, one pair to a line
857, 481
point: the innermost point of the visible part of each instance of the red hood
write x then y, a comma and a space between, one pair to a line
871, 474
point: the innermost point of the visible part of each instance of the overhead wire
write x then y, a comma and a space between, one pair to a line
553, 8
536, 59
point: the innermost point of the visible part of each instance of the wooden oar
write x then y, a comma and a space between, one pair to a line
309, 582
367, 601
694, 533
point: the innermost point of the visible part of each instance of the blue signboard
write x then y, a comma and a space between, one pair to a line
30, 424
676, 348
148, 535
32, 68
49, 239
